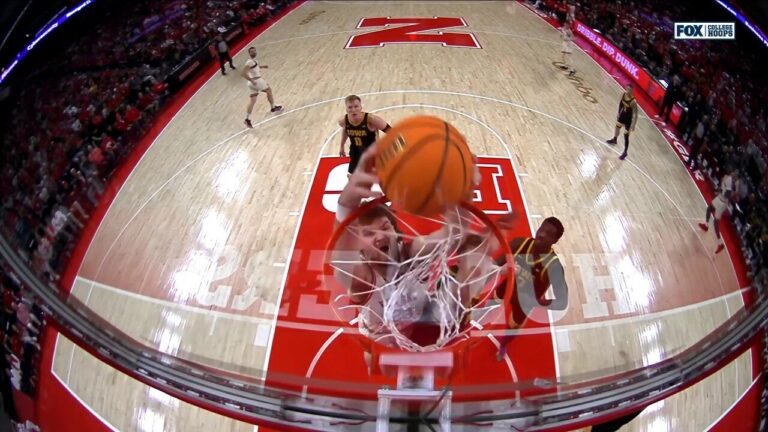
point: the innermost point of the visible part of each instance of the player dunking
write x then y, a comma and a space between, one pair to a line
374, 238
537, 267
361, 128
719, 205
256, 84
626, 118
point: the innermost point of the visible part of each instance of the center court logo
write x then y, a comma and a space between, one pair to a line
692, 30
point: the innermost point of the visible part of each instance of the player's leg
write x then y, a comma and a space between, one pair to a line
515, 319
249, 110
626, 143
720, 244
719, 206
229, 57
705, 225
354, 158
222, 62
615, 134
271, 99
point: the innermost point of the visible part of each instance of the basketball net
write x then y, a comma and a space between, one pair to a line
432, 289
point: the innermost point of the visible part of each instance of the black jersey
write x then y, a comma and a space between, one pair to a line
626, 110
360, 138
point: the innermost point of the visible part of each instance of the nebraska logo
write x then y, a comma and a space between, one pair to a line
412, 30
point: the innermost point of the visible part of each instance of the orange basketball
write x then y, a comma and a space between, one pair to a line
424, 165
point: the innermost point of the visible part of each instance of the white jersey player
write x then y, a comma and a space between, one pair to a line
719, 205
256, 84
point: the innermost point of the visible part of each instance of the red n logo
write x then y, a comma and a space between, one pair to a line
411, 30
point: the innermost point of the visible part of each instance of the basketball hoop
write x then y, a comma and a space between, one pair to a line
431, 281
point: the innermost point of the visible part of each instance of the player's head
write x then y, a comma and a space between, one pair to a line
378, 235
550, 231
252, 52
628, 89
354, 104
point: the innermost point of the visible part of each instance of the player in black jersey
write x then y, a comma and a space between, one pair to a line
361, 128
627, 118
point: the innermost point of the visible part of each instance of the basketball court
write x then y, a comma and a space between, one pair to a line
213, 250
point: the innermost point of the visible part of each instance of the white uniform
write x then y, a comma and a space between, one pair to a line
720, 203
254, 72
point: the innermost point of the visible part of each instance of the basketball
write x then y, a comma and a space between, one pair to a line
424, 165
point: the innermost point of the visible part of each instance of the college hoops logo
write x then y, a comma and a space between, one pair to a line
692, 30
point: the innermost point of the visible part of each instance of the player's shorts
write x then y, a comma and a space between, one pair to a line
260, 86
720, 205
625, 122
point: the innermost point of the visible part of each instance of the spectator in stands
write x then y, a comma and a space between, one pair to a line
671, 96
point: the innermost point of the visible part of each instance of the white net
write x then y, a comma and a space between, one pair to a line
416, 283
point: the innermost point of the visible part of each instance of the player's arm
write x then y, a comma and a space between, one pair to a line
356, 277
556, 277
378, 123
344, 137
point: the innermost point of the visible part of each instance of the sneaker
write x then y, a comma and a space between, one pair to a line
623, 156
277, 108
248, 123
720, 248
704, 227
611, 141
572, 73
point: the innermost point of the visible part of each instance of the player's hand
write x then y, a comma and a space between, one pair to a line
476, 178
342, 153
361, 181
632, 129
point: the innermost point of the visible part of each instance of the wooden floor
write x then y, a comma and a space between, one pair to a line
192, 254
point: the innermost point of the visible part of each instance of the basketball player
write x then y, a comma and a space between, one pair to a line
252, 74
361, 128
566, 34
626, 118
537, 267
719, 205
378, 243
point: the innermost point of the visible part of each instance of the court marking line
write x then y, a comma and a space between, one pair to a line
733, 405
633, 319
69, 390
317, 357
508, 362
